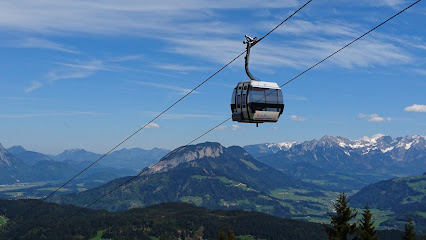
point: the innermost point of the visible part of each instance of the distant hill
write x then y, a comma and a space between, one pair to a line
172, 220
405, 197
76, 155
340, 164
134, 158
28, 157
212, 176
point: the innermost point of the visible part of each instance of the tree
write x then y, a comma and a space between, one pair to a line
366, 227
340, 220
231, 235
221, 235
162, 237
409, 233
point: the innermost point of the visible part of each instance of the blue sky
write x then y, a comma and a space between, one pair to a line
86, 74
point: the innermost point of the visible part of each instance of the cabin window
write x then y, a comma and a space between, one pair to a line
271, 98
233, 100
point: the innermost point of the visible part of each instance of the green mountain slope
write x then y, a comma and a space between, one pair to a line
404, 197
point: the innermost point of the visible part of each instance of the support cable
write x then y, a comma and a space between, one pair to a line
159, 115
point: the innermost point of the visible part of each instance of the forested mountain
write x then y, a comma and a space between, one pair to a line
171, 220
340, 164
211, 176
406, 197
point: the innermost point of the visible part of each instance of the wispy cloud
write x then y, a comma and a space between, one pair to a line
416, 108
86, 68
420, 71
298, 54
81, 69
57, 114
297, 118
141, 17
34, 85
41, 43
180, 68
303, 27
180, 90
374, 117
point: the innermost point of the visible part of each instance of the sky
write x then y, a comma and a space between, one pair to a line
87, 74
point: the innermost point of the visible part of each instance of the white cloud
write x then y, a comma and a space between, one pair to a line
374, 117
34, 85
420, 71
235, 127
41, 43
274, 128
381, 3
297, 118
416, 108
220, 128
152, 125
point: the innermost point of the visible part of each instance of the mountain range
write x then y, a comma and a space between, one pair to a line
210, 175
340, 164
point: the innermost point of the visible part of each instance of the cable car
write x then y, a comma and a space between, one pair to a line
256, 101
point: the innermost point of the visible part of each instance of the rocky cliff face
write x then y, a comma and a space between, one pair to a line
186, 155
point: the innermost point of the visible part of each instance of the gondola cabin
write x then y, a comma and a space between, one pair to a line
257, 102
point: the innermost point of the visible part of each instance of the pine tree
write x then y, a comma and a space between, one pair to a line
340, 221
231, 235
221, 235
162, 237
409, 233
366, 227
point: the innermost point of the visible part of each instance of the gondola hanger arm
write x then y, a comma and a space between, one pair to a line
250, 43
